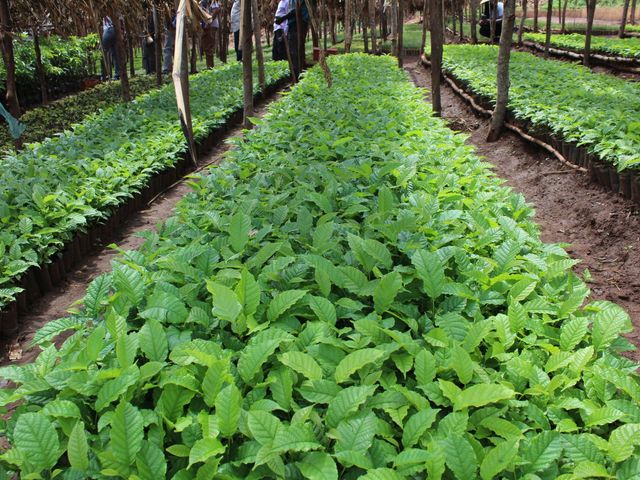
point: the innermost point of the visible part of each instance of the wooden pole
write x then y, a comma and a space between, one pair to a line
547, 41
39, 67
591, 12
347, 25
121, 55
9, 59
623, 21
524, 15
504, 55
400, 32
435, 20
258, 41
157, 45
247, 68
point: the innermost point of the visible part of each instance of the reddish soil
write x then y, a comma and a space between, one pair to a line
603, 229
56, 303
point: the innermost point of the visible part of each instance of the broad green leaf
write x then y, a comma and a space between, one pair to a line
416, 426
318, 466
248, 293
482, 394
572, 333
239, 231
226, 305
151, 462
623, 441
324, 309
302, 363
356, 434
425, 367
228, 409
126, 434
204, 449
542, 450
77, 448
36, 439
431, 271
499, 458
459, 457
462, 364
347, 401
153, 341
386, 291
355, 361
263, 426
282, 302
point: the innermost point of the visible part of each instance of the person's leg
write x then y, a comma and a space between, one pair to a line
167, 64
236, 45
292, 38
207, 45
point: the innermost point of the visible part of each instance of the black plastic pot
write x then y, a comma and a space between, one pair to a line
614, 179
9, 319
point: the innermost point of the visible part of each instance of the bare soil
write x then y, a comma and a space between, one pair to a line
56, 303
602, 229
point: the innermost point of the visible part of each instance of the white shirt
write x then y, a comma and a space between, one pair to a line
235, 16
283, 9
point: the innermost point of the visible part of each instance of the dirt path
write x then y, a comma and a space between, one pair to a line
603, 229
56, 302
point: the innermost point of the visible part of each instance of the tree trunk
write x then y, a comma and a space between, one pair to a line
563, 22
494, 18
132, 60
400, 32
121, 55
524, 16
40, 68
258, 42
547, 41
247, 71
348, 4
474, 21
425, 9
461, 20
633, 12
591, 11
372, 25
623, 21
365, 34
536, 12
393, 20
435, 21
504, 53
157, 45
9, 59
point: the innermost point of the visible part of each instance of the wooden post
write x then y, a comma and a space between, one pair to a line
258, 41
9, 59
423, 42
563, 22
372, 25
435, 21
474, 21
347, 25
547, 41
504, 54
633, 12
121, 55
591, 11
247, 68
39, 67
536, 12
157, 45
623, 21
524, 16
400, 33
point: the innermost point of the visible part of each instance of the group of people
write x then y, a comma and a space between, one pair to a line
288, 35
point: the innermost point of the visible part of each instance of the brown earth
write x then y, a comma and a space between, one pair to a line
56, 303
603, 229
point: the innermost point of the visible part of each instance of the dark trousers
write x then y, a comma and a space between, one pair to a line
297, 57
236, 45
279, 50
109, 44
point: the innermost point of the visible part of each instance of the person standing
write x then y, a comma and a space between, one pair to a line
279, 50
235, 28
149, 47
296, 34
210, 30
109, 44
169, 41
